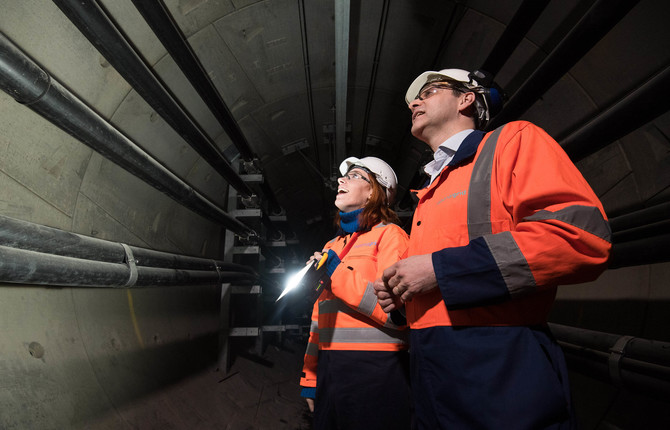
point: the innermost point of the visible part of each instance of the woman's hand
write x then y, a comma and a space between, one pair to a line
317, 256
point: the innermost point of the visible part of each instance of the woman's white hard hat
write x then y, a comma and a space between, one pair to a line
383, 172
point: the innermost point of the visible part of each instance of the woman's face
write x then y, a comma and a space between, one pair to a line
353, 190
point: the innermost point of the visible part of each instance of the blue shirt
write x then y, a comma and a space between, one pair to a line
445, 152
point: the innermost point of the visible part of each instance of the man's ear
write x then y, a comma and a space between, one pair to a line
467, 100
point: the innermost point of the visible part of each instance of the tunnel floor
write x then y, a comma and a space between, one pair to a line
259, 392
263, 392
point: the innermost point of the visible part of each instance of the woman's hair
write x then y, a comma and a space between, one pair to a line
376, 209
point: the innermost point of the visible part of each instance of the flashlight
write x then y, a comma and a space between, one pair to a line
312, 278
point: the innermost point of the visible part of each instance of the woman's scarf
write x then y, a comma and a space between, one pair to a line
349, 221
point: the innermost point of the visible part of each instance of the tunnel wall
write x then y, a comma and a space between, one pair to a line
110, 359
103, 358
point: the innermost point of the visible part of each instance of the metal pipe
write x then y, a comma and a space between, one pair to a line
157, 15
641, 232
521, 22
99, 29
31, 85
641, 217
150, 258
21, 234
29, 236
342, 17
308, 80
636, 348
36, 254
601, 359
629, 114
649, 250
373, 75
625, 361
159, 18
594, 365
641, 237
601, 17
21, 266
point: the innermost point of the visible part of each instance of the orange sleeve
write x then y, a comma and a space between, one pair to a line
354, 289
312, 352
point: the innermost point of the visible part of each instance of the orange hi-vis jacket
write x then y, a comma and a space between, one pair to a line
347, 316
507, 220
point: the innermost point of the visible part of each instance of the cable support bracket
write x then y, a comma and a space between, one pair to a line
617, 352
130, 260
218, 271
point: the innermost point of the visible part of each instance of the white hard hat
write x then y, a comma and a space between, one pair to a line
383, 172
432, 76
479, 82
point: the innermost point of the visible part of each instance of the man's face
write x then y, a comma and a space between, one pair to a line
433, 109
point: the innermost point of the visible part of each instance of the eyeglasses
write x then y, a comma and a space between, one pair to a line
431, 90
355, 175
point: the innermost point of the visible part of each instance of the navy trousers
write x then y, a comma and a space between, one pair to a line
363, 390
512, 378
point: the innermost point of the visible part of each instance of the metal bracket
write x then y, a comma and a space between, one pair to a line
246, 289
244, 332
130, 260
617, 352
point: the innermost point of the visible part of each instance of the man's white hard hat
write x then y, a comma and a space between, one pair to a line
435, 76
488, 102
382, 171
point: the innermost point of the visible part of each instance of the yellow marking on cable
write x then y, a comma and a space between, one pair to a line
134, 318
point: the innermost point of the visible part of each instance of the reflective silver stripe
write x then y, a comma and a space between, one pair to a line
369, 301
587, 218
362, 335
312, 349
479, 193
314, 327
337, 305
333, 306
389, 323
512, 264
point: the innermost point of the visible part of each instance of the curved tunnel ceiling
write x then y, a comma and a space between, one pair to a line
594, 74
274, 65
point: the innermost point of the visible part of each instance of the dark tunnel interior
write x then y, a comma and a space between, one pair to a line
166, 165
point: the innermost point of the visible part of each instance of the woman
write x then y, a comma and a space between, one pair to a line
361, 379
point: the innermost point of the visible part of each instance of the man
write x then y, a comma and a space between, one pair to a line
505, 218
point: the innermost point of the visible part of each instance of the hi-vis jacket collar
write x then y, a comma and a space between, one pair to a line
467, 150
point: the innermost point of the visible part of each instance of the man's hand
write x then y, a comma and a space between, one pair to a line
385, 297
310, 404
407, 278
